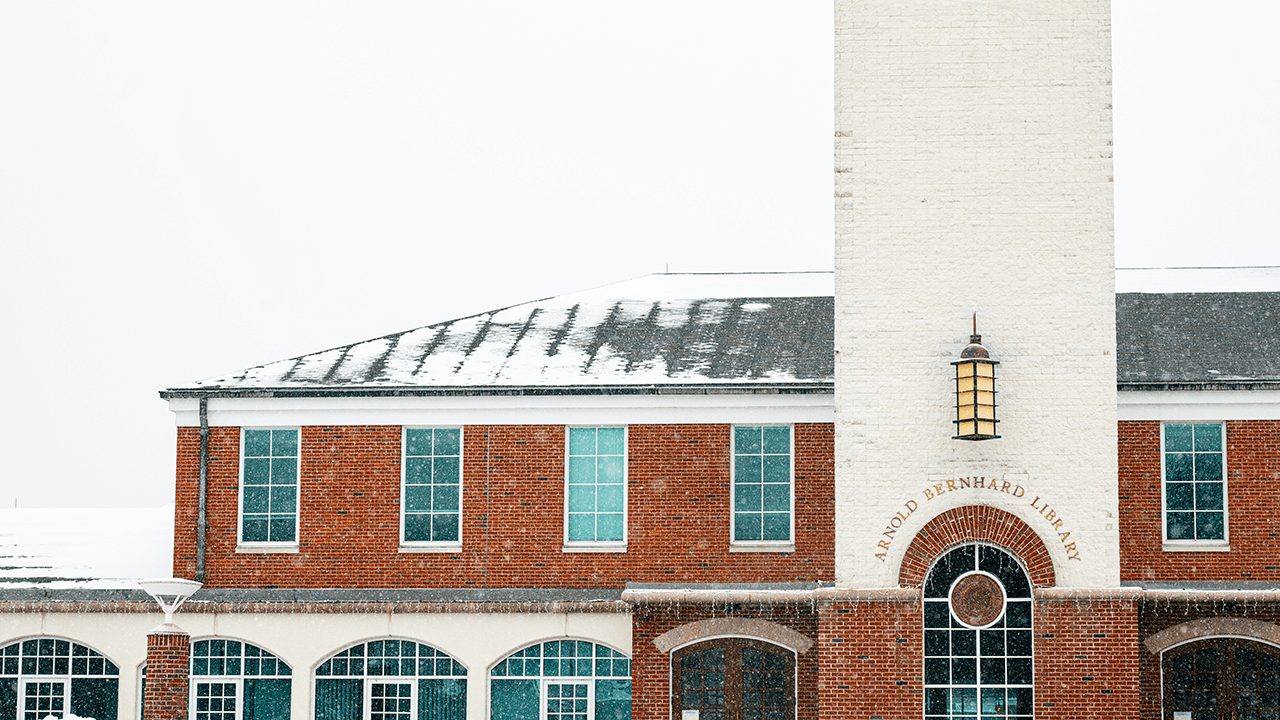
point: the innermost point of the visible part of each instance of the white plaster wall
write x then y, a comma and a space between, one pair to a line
973, 173
478, 641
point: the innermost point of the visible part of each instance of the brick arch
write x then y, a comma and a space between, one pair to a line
970, 523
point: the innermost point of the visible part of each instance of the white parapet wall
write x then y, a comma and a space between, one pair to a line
973, 174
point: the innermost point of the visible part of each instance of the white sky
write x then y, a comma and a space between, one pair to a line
189, 189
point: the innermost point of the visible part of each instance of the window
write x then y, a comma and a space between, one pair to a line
1221, 677
233, 680
269, 487
391, 680
432, 492
595, 494
1195, 498
762, 484
561, 680
51, 676
977, 636
734, 678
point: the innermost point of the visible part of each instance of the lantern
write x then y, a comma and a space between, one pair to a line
975, 391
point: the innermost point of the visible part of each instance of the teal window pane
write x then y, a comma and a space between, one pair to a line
777, 526
256, 499
257, 471
777, 440
609, 470
613, 700
448, 441
417, 471
610, 441
284, 443
582, 527
1208, 496
746, 526
1208, 467
609, 527
993, 701
777, 469
417, 442
1177, 467
748, 468
1179, 496
964, 700
282, 529
444, 527
284, 499
284, 471
1181, 525
445, 470
1177, 438
746, 440
1209, 526
582, 470
254, 528
445, 498
1208, 437
257, 443
582, 498
582, 441
777, 498
514, 700
748, 498
266, 699
609, 498
417, 498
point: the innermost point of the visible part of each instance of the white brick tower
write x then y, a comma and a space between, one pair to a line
973, 174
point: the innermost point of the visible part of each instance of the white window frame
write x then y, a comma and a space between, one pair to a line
26, 680
236, 679
196, 680
370, 681
570, 546
736, 545
1194, 545
431, 546
260, 546
545, 680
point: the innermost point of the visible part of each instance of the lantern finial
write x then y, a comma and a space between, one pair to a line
975, 390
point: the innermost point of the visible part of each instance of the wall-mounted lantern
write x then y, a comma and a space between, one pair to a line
975, 391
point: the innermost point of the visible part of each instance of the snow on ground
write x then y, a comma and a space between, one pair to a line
62, 548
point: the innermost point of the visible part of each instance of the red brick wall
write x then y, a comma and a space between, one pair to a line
1253, 471
975, 522
678, 504
871, 660
168, 656
651, 668
1086, 659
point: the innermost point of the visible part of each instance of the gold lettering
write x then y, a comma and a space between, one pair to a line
1051, 515
1018, 491
881, 556
1063, 536
951, 484
884, 544
896, 521
1057, 523
928, 494
911, 507
938, 488
979, 482
1033, 502
964, 482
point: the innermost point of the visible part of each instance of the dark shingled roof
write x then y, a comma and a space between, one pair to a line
1198, 338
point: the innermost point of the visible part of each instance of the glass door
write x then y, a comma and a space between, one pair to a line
734, 679
1222, 679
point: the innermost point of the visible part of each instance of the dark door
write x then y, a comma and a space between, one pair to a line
1222, 679
734, 679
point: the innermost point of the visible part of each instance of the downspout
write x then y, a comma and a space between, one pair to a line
204, 486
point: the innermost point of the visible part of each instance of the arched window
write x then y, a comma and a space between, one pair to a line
731, 678
233, 680
561, 680
52, 676
977, 635
391, 680
1221, 677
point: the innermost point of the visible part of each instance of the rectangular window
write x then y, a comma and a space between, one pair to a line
1195, 472
762, 484
596, 498
432, 492
269, 486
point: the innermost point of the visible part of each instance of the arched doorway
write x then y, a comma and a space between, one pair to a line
1221, 679
733, 679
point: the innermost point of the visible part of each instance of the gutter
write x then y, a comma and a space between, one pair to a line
201, 519
807, 388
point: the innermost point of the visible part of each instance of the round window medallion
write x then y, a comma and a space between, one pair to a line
977, 600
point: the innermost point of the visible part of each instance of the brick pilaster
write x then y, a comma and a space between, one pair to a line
168, 662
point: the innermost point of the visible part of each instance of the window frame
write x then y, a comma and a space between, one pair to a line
270, 546
1194, 544
734, 645
596, 545
236, 679
495, 674
19, 658
428, 546
1226, 683
367, 678
736, 545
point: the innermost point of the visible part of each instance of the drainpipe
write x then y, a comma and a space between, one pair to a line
204, 485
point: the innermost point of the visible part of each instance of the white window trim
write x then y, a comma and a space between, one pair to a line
736, 545
270, 547
587, 546
370, 681
222, 679
1167, 545
432, 546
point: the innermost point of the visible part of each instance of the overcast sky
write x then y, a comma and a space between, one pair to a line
189, 189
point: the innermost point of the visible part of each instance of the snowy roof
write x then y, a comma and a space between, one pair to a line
1198, 280
753, 329
63, 548
1201, 338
